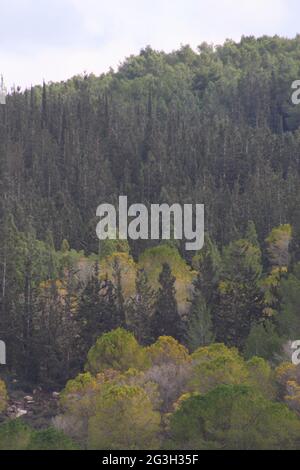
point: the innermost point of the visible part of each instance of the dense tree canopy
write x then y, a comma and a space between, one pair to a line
153, 345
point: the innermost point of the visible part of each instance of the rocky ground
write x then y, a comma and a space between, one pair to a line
37, 408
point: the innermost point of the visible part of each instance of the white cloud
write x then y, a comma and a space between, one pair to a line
100, 34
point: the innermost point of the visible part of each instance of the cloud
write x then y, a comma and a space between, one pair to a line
166, 23
56, 39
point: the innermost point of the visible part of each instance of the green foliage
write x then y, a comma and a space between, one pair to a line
50, 439
278, 245
117, 350
65, 247
120, 269
75, 389
140, 309
167, 350
233, 417
242, 261
271, 286
263, 341
15, 435
166, 320
240, 301
110, 246
3, 396
152, 261
261, 376
199, 329
124, 419
97, 311
251, 234
216, 365
289, 318
214, 125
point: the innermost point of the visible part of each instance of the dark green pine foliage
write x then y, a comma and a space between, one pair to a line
140, 309
166, 320
240, 298
215, 126
199, 327
120, 315
98, 311
294, 248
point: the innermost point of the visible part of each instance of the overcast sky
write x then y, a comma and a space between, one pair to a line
56, 39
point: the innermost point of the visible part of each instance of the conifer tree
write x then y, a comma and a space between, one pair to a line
199, 329
98, 311
166, 320
140, 309
240, 299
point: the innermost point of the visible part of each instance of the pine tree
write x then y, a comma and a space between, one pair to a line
140, 309
89, 315
240, 299
119, 298
251, 234
98, 311
166, 320
199, 329
208, 265
294, 247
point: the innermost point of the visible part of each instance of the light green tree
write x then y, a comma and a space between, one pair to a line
124, 419
233, 417
117, 350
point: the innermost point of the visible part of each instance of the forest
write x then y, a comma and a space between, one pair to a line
142, 344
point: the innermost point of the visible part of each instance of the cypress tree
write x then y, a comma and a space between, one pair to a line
166, 320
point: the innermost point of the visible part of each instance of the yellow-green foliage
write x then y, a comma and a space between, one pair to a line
124, 419
278, 245
3, 396
81, 396
261, 376
216, 365
152, 261
131, 394
50, 439
110, 246
15, 435
233, 417
167, 350
117, 350
241, 258
128, 270
287, 376
270, 286
78, 394
286, 372
78, 401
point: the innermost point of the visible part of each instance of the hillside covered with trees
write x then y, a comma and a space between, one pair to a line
148, 345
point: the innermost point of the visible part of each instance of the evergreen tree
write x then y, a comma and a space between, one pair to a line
98, 311
240, 299
199, 329
208, 265
166, 320
140, 309
119, 298
251, 234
